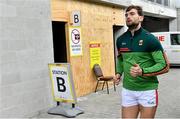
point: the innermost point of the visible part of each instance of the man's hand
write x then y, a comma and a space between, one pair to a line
136, 70
117, 79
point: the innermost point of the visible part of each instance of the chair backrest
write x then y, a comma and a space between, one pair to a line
97, 70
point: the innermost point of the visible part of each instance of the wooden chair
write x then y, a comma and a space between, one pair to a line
101, 78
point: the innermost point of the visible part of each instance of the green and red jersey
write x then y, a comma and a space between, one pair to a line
144, 49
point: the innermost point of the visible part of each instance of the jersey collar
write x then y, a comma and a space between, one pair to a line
136, 32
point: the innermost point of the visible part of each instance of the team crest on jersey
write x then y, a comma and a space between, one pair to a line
140, 42
123, 43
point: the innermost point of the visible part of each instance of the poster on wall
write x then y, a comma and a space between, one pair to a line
95, 53
75, 41
62, 83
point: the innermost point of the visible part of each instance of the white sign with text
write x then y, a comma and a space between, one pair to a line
62, 84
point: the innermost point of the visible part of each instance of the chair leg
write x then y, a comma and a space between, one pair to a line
103, 85
107, 87
114, 86
96, 85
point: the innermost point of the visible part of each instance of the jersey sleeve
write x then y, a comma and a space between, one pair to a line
119, 63
161, 63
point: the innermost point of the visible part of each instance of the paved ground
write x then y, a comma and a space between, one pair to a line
103, 105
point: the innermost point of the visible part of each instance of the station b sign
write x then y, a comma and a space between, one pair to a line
62, 83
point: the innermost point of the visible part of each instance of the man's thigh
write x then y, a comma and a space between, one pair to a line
130, 112
130, 108
148, 102
147, 112
128, 98
148, 98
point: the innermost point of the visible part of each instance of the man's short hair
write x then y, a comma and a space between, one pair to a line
138, 8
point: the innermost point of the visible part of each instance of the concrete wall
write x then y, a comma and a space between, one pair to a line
173, 24
178, 19
150, 8
178, 14
25, 49
156, 10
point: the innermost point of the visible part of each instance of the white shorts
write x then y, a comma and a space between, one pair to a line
145, 98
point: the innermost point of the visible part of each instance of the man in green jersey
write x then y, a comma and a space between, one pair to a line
141, 58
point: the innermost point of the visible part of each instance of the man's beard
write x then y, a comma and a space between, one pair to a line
132, 26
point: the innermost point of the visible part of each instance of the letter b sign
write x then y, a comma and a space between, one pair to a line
76, 18
61, 84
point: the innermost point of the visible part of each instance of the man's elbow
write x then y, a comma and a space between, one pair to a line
166, 67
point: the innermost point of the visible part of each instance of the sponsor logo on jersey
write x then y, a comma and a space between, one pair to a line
140, 42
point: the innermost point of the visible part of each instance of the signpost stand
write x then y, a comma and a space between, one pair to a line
63, 91
65, 110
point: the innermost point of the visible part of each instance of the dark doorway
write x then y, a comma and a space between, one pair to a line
59, 42
117, 31
154, 24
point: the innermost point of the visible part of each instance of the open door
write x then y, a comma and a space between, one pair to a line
117, 31
59, 42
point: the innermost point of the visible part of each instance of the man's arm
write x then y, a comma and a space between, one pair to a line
119, 65
159, 57
161, 64
119, 69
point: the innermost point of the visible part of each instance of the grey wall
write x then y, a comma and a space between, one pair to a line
178, 19
173, 24
26, 48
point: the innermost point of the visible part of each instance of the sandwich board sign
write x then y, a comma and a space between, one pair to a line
63, 90
62, 84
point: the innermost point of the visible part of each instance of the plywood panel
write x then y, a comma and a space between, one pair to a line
96, 25
59, 12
